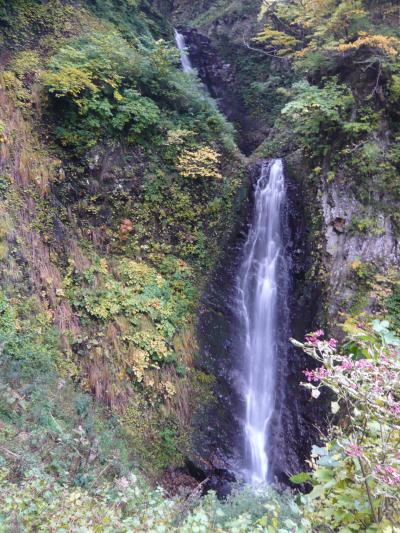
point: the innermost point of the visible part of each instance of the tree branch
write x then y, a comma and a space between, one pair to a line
264, 52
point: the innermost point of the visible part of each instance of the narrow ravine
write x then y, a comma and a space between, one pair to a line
259, 350
262, 285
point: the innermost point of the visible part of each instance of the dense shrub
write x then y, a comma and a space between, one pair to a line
356, 476
317, 114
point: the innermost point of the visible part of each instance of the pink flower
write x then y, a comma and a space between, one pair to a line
332, 343
321, 373
364, 364
317, 374
388, 474
354, 450
347, 364
395, 409
377, 388
309, 375
313, 338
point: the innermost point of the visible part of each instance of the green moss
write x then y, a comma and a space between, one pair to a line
154, 437
367, 225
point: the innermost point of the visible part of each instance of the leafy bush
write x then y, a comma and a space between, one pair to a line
104, 87
200, 163
262, 508
139, 293
28, 345
316, 114
356, 475
90, 75
127, 505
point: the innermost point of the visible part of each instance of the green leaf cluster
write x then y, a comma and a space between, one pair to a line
318, 113
155, 307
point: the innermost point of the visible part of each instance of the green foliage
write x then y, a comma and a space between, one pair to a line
28, 343
157, 440
49, 424
280, 42
357, 473
142, 112
303, 28
266, 508
25, 22
395, 88
89, 76
366, 123
38, 503
133, 17
141, 295
21, 79
373, 168
366, 225
104, 87
363, 271
316, 114
393, 307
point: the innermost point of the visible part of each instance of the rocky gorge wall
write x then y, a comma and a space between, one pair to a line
218, 432
343, 249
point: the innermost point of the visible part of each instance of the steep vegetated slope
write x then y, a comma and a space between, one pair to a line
340, 120
118, 180
120, 183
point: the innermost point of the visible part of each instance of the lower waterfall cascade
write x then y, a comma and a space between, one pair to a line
262, 283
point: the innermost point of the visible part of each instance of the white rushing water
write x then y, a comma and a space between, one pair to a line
258, 283
181, 44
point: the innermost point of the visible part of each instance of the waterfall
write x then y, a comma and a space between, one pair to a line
181, 44
262, 282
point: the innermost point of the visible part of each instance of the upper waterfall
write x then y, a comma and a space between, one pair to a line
181, 44
259, 294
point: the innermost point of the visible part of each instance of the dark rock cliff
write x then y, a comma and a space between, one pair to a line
218, 77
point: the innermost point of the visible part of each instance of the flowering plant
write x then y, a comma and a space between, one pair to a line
356, 476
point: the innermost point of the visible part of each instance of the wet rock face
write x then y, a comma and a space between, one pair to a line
297, 416
218, 432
